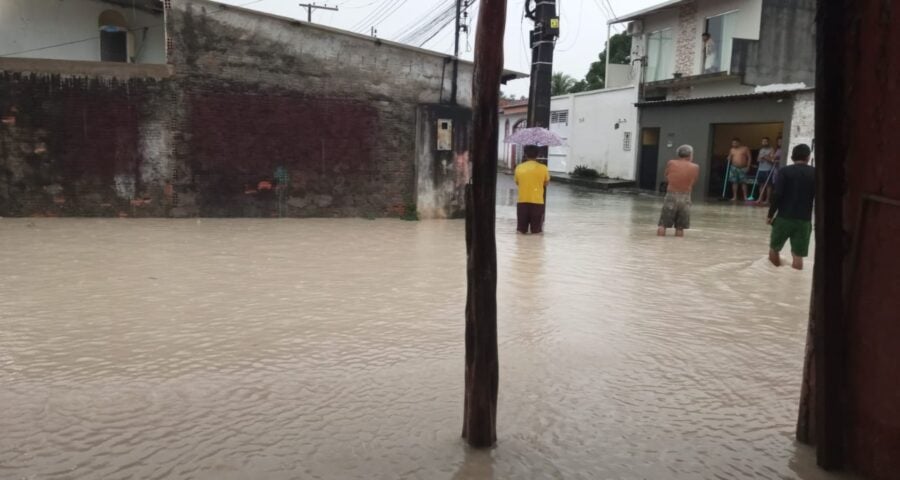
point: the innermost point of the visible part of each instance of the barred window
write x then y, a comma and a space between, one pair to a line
559, 116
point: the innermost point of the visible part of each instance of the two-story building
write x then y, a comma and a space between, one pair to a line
751, 76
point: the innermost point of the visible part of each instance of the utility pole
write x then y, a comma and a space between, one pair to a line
312, 6
482, 357
459, 28
543, 39
453, 86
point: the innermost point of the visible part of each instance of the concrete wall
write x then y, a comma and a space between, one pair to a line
558, 159
785, 51
442, 171
261, 117
595, 140
697, 131
30, 26
618, 76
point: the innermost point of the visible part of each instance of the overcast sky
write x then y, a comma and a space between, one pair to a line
583, 24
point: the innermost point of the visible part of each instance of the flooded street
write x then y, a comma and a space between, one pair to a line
283, 349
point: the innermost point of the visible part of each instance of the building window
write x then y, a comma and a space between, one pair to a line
113, 37
660, 55
559, 117
626, 141
717, 50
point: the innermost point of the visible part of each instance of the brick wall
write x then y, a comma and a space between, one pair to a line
69, 145
260, 116
803, 121
686, 45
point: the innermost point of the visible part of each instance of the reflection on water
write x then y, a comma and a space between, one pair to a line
227, 349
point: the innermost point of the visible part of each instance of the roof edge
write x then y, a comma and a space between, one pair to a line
378, 41
645, 11
725, 98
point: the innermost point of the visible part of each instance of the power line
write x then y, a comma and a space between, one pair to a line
445, 25
387, 14
384, 5
577, 32
418, 23
427, 29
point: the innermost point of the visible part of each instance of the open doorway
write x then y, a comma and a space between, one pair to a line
649, 158
751, 135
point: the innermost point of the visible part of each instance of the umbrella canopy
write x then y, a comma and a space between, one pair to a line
539, 136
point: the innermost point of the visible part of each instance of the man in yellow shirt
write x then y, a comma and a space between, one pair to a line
531, 177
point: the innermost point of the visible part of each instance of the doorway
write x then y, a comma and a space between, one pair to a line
751, 135
649, 158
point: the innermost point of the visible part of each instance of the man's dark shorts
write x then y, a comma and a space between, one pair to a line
530, 215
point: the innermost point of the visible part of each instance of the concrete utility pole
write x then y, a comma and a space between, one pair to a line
482, 364
543, 38
312, 6
462, 8
453, 87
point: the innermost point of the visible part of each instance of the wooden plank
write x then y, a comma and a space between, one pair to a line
832, 33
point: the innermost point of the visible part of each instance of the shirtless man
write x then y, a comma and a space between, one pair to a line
739, 156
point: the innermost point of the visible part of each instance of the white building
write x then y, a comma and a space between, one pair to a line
597, 126
109, 30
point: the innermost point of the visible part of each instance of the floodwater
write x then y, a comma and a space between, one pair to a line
283, 349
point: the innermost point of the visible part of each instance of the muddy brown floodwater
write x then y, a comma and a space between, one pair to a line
282, 349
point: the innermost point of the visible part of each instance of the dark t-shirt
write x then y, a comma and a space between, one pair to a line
795, 191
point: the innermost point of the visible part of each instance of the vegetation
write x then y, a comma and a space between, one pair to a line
582, 171
619, 53
512, 98
561, 84
410, 212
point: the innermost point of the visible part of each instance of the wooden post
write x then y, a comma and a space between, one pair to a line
829, 362
480, 409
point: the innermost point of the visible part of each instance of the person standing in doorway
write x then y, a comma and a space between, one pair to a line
531, 178
792, 208
766, 161
739, 159
709, 54
681, 174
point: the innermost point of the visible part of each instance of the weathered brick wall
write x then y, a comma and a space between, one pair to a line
259, 116
70, 146
335, 114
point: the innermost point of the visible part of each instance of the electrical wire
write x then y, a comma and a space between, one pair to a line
387, 14
431, 26
408, 28
427, 29
577, 32
384, 5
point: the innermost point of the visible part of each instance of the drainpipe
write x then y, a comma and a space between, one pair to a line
638, 142
608, 37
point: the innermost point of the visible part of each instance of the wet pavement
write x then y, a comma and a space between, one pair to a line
282, 349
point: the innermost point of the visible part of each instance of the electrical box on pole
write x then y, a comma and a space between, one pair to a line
543, 40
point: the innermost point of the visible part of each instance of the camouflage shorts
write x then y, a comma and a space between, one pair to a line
676, 211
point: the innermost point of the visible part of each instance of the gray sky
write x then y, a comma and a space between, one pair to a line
583, 24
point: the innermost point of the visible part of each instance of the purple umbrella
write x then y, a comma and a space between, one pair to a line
539, 136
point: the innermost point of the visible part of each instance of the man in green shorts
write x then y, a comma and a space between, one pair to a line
790, 213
